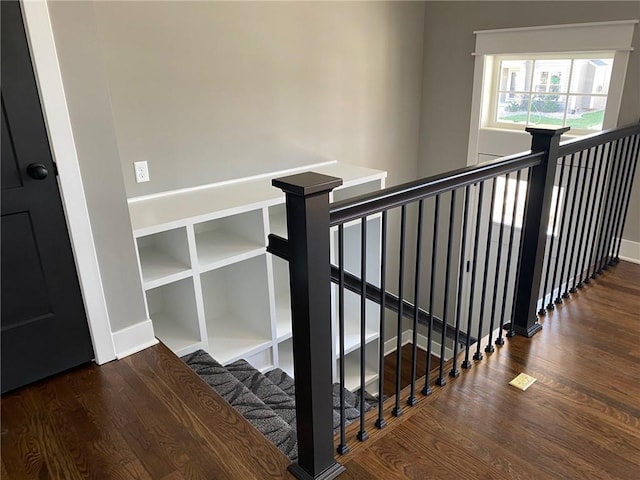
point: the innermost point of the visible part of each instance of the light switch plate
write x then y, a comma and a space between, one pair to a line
142, 171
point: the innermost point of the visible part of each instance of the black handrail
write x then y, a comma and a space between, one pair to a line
599, 138
371, 203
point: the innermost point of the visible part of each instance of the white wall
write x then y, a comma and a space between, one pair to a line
206, 91
88, 104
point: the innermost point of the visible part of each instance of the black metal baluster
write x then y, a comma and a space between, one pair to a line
577, 274
441, 381
563, 222
434, 250
543, 310
461, 268
572, 257
610, 204
597, 228
412, 400
500, 339
624, 169
569, 222
512, 332
631, 176
342, 447
380, 422
589, 212
613, 155
478, 354
489, 348
467, 363
362, 434
397, 410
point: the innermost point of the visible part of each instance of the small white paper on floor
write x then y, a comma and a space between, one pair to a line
522, 381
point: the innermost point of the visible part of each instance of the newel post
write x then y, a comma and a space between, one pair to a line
307, 201
534, 230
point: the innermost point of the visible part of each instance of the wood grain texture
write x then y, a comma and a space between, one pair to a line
147, 416
580, 420
150, 417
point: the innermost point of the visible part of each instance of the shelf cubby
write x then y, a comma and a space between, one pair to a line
352, 367
278, 220
282, 298
285, 356
352, 321
262, 360
172, 308
164, 257
229, 239
236, 304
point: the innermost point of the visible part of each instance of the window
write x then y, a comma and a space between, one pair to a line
551, 90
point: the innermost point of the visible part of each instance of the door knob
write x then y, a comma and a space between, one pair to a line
37, 171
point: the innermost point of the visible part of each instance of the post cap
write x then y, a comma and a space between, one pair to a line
552, 132
307, 183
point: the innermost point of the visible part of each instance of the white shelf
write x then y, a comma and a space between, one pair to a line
173, 311
282, 298
352, 338
278, 220
164, 257
285, 354
229, 239
209, 282
173, 335
283, 316
236, 305
158, 268
218, 248
230, 338
352, 371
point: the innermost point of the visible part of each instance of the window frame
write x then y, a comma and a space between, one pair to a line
578, 37
493, 92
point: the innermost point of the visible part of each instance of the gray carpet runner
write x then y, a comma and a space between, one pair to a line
267, 401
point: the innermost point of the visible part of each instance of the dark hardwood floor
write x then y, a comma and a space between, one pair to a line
149, 417
580, 420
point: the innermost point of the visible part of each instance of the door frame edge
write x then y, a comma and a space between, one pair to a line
48, 76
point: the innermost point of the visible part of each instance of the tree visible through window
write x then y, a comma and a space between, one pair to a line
552, 91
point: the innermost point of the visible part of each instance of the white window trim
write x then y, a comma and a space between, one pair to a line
582, 37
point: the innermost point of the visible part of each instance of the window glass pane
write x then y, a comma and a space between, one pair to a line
547, 109
513, 108
591, 75
586, 112
551, 76
515, 75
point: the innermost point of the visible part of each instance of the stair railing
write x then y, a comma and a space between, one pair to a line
489, 269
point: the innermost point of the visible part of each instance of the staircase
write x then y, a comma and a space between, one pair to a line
267, 400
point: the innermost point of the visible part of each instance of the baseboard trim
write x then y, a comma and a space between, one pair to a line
630, 251
133, 339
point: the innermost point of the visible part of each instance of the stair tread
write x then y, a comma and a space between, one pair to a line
257, 412
267, 391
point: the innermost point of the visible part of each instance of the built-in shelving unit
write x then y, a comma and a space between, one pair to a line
210, 284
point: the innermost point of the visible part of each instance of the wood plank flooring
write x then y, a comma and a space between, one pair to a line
149, 417
580, 420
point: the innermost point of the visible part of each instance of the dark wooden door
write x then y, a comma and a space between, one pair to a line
44, 326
